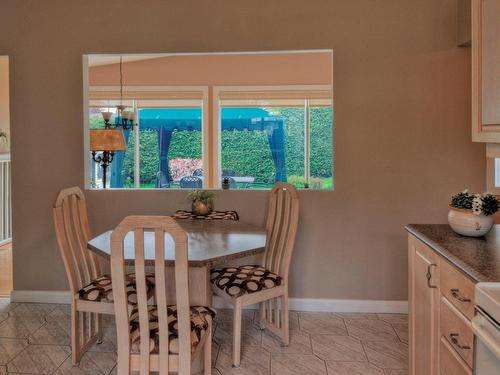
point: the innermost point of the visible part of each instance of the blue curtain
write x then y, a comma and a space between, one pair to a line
276, 138
116, 180
164, 139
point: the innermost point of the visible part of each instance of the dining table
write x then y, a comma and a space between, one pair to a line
210, 243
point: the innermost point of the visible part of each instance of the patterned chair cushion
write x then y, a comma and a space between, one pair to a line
237, 281
101, 290
199, 325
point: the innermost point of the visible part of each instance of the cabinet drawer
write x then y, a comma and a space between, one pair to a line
449, 362
455, 328
457, 288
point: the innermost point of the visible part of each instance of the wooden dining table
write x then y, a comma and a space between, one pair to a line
210, 243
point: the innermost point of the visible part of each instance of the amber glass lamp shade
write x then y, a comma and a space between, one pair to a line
107, 140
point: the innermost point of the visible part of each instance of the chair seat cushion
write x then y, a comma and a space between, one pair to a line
200, 316
101, 289
237, 281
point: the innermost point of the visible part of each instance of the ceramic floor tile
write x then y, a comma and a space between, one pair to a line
20, 327
60, 312
254, 361
338, 348
371, 330
39, 359
53, 332
394, 318
300, 343
357, 315
352, 368
226, 315
402, 331
91, 364
9, 348
6, 305
294, 320
250, 335
33, 309
109, 340
396, 372
297, 364
387, 355
322, 323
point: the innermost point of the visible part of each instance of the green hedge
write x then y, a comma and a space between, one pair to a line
245, 152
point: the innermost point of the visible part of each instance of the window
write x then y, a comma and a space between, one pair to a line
246, 119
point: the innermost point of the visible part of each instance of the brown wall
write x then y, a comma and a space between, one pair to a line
402, 123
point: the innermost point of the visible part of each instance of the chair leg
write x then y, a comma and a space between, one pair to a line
262, 315
207, 353
75, 336
100, 329
285, 319
237, 333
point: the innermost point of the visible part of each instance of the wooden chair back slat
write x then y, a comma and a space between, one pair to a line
161, 225
81, 244
274, 220
73, 232
161, 301
142, 300
283, 217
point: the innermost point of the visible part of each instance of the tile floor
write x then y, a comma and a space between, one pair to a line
35, 338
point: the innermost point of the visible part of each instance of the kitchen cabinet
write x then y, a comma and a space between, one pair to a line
440, 309
423, 308
485, 71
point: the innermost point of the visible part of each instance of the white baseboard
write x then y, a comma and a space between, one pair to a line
41, 296
300, 304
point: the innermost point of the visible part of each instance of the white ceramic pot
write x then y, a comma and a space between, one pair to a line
464, 222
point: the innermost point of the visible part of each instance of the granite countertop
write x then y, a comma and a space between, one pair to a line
478, 258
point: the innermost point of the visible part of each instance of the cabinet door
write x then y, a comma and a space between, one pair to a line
485, 71
424, 309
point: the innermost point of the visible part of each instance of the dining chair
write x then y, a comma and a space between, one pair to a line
267, 283
91, 290
162, 338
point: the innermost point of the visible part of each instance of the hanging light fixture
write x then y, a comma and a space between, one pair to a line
124, 119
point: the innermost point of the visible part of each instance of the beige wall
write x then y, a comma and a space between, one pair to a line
211, 70
4, 103
402, 123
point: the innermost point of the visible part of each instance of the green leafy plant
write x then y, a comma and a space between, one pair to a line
481, 204
202, 196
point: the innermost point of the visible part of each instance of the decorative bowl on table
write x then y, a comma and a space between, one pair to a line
472, 214
202, 202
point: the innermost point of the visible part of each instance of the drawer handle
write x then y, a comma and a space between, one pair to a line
429, 275
454, 341
456, 294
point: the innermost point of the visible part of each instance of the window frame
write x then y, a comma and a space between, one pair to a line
175, 92
300, 91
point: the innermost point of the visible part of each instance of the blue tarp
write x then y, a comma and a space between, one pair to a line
166, 120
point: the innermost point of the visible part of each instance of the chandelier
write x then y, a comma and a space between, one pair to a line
124, 119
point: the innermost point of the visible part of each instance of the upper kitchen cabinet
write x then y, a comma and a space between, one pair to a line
486, 71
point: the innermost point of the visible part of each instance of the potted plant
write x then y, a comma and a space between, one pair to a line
201, 201
472, 214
